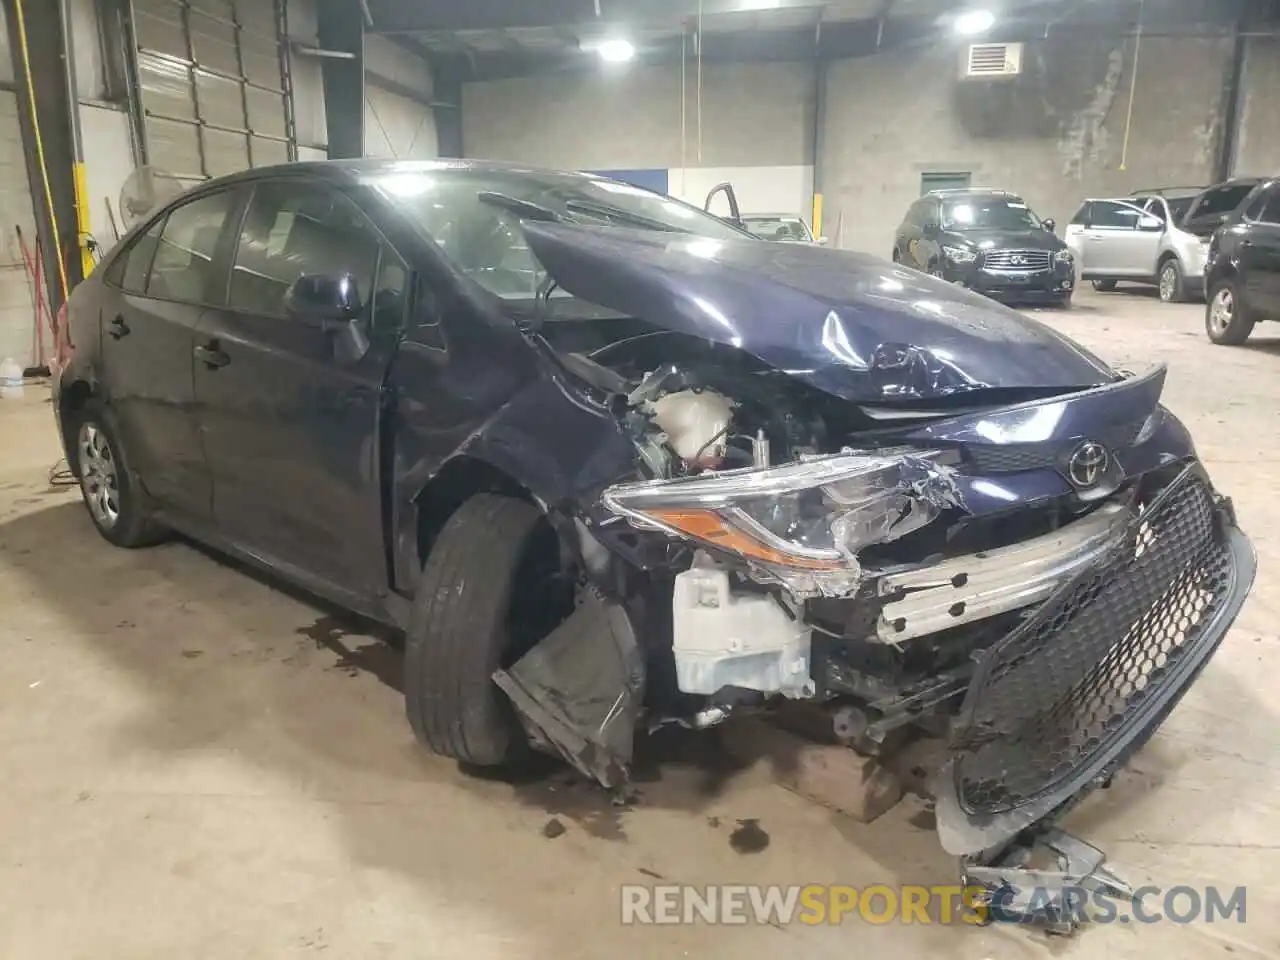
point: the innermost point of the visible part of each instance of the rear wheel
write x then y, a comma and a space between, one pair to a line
1171, 282
1226, 320
1104, 286
487, 594
115, 500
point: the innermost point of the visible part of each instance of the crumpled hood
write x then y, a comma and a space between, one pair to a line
849, 324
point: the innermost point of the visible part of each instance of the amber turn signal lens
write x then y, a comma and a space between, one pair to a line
709, 527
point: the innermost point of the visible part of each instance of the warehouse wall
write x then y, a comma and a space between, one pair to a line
753, 114
396, 126
1056, 133
1258, 150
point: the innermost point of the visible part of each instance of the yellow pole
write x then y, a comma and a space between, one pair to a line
817, 215
82, 217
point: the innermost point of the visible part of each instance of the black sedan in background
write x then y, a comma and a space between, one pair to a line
989, 241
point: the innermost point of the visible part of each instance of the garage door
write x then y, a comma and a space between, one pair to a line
212, 85
17, 320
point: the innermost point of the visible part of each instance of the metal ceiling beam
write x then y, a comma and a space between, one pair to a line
416, 16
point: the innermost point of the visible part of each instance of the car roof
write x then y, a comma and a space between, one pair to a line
351, 171
970, 192
772, 216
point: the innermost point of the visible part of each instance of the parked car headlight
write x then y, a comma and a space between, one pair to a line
959, 254
810, 517
1063, 256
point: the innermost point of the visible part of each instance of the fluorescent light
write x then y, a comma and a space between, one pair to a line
616, 51
975, 21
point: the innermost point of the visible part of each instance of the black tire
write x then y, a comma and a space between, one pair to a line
93, 427
459, 631
897, 256
1104, 286
1237, 326
1170, 282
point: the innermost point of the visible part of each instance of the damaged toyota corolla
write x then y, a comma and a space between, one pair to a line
611, 462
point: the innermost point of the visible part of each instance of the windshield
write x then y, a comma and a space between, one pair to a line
993, 213
777, 228
1222, 199
472, 216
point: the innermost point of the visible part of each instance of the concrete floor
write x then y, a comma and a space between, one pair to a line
199, 765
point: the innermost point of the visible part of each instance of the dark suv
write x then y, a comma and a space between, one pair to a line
989, 241
1242, 274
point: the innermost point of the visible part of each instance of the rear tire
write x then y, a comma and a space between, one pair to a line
459, 631
117, 505
1170, 282
1226, 319
1104, 286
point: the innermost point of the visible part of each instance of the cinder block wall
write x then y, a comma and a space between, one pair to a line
1056, 132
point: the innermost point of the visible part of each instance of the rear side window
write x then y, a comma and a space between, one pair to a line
1270, 212
292, 229
1222, 200
183, 268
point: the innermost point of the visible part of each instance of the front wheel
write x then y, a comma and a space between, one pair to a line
1172, 284
487, 594
1225, 319
116, 503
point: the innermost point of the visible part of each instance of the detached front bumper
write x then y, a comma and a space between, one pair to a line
1060, 703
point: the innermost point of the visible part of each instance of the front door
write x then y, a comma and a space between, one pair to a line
1260, 257
290, 407
155, 293
1113, 243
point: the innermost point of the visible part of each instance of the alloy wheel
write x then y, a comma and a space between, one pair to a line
1168, 282
99, 475
1222, 311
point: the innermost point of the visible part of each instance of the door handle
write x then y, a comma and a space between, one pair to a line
118, 328
211, 356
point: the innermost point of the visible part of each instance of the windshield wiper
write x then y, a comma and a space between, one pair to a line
521, 208
592, 209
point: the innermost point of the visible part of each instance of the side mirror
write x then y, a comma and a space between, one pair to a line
1050, 224
1150, 224
332, 302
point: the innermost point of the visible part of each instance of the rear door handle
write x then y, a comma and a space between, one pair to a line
118, 328
211, 356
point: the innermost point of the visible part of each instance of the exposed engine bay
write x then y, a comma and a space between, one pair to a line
1034, 573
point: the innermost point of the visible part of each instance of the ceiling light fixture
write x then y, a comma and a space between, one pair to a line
616, 51
975, 21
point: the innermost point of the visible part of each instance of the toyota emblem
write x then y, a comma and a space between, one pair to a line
1088, 463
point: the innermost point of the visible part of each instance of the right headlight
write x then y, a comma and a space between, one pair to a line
959, 254
803, 521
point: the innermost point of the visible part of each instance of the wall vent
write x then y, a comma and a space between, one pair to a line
994, 60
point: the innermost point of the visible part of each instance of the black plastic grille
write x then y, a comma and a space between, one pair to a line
1056, 690
1012, 457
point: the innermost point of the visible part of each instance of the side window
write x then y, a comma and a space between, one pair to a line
1155, 208
1270, 214
129, 270
292, 229
1254, 211
183, 267
390, 292
1082, 215
1109, 214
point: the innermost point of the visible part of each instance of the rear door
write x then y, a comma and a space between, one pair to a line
154, 295
1112, 243
289, 406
